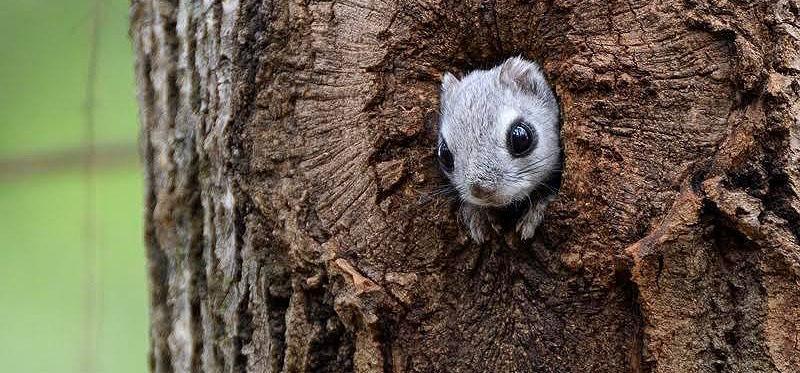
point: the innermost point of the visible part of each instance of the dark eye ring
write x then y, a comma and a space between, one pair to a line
521, 139
445, 157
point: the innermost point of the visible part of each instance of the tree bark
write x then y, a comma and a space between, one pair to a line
292, 224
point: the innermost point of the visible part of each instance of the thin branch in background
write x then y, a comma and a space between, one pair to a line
93, 286
106, 156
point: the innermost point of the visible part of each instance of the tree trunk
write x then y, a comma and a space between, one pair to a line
292, 225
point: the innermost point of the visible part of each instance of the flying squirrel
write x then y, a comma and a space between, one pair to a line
499, 146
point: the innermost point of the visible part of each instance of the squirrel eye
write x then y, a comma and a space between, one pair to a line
521, 139
445, 157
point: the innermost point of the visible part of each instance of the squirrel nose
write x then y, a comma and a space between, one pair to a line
481, 191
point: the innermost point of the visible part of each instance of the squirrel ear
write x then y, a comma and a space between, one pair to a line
518, 72
449, 81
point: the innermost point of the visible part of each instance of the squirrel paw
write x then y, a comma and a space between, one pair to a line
527, 224
478, 222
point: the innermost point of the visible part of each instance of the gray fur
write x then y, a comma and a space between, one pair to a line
476, 113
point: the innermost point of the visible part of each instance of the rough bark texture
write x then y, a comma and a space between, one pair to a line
290, 228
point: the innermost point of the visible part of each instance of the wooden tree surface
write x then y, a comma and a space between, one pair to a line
290, 220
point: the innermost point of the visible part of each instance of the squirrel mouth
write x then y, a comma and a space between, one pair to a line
497, 201
488, 201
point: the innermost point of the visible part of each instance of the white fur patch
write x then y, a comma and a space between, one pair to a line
505, 117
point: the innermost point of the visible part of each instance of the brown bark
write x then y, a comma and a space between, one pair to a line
288, 148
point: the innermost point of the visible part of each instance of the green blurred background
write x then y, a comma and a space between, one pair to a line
43, 191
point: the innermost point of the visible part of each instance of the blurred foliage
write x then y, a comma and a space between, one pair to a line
42, 267
45, 47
